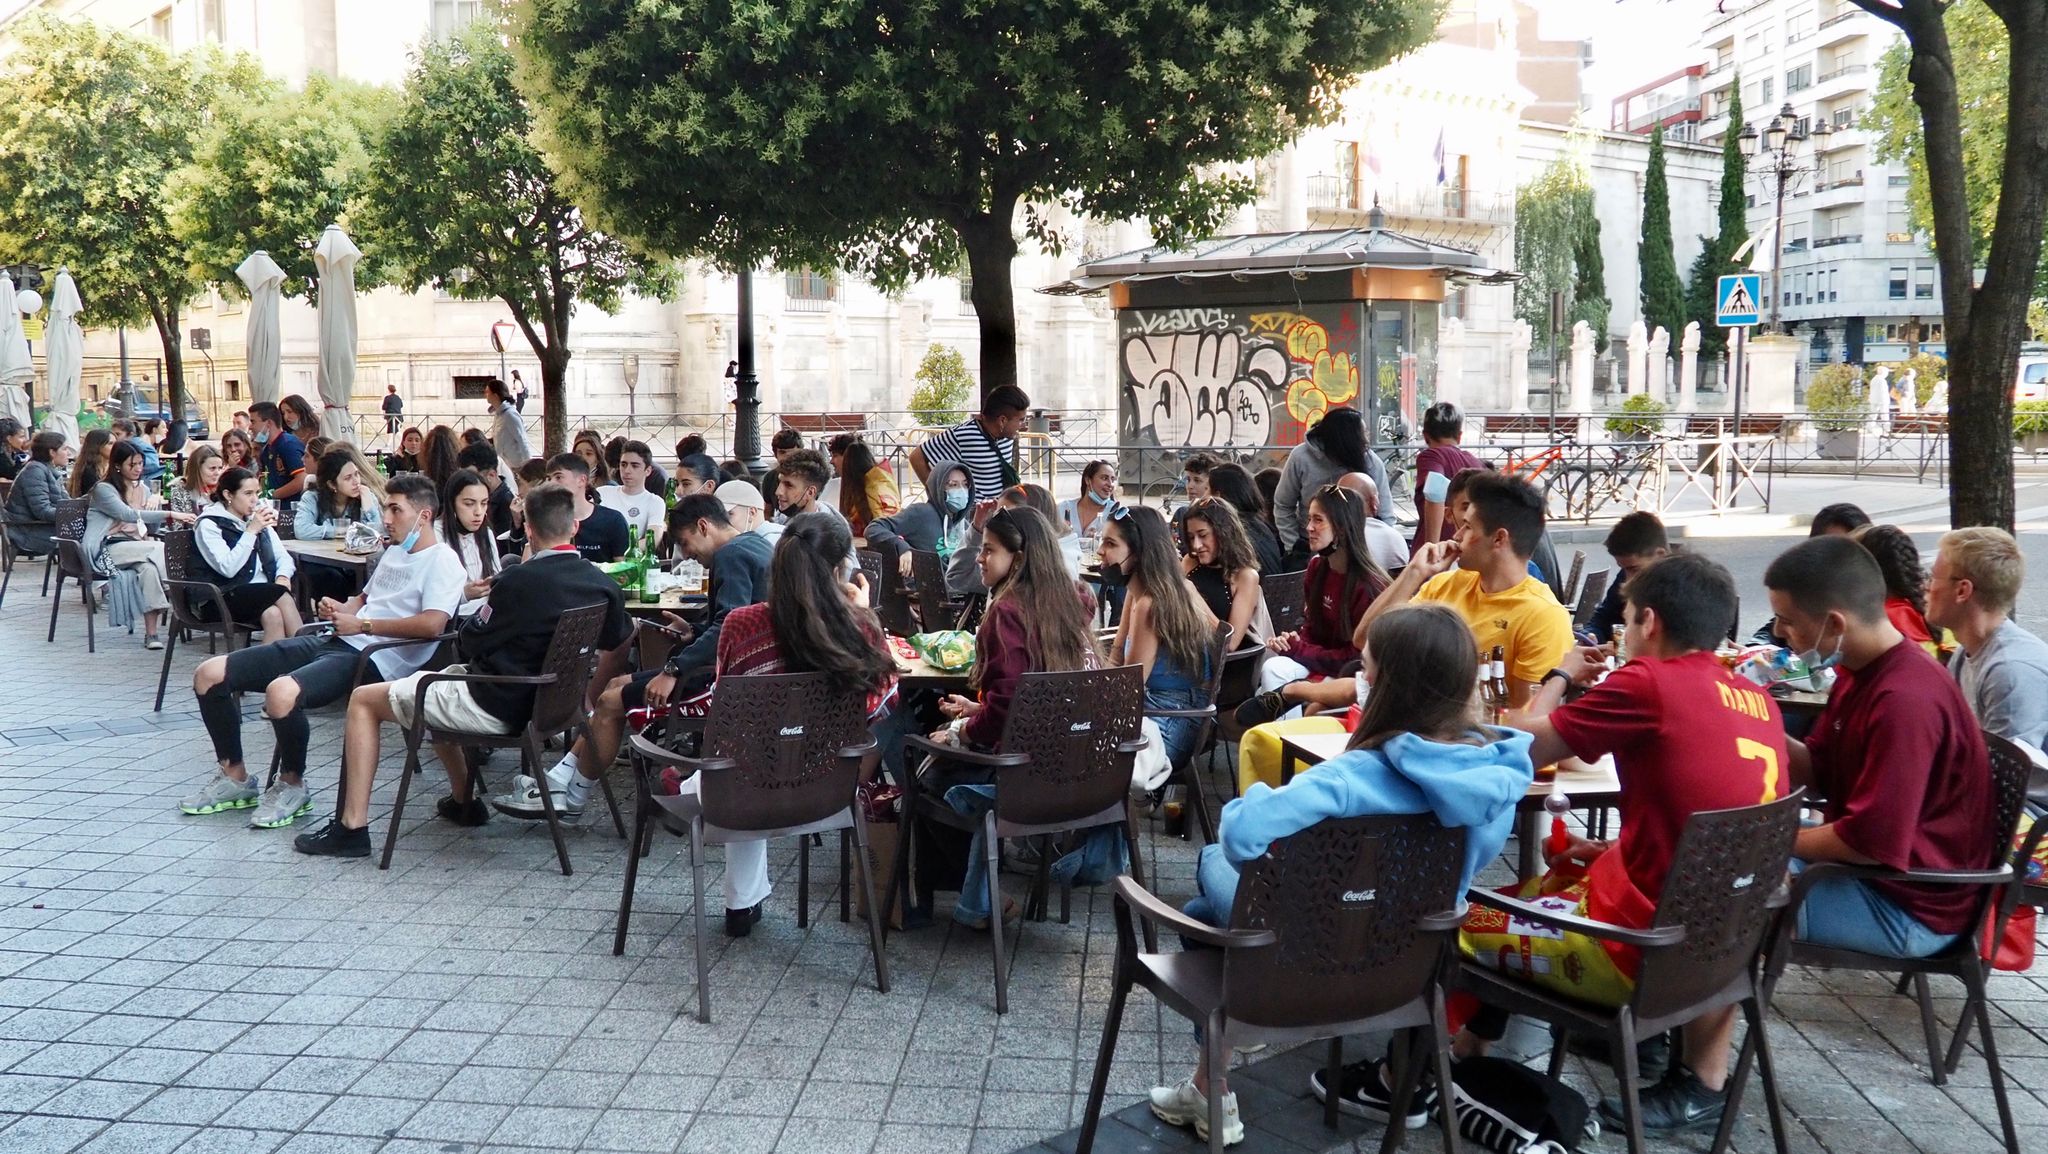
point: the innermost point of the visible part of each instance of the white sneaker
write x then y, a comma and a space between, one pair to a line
220, 792
1183, 1105
523, 800
282, 805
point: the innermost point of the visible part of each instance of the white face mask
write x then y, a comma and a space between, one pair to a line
1812, 659
956, 499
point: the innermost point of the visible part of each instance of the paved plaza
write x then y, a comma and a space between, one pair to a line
170, 983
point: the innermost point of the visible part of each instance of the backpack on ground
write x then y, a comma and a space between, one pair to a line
1508, 1108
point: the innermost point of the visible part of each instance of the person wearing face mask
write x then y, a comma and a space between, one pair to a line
1085, 513
1895, 752
937, 524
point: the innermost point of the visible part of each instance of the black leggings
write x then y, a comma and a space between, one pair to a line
246, 603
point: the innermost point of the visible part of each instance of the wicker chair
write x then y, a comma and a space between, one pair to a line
1571, 580
68, 547
1065, 764
557, 710
892, 604
1699, 955
1286, 599
9, 554
2010, 769
783, 758
1348, 926
1591, 591
187, 593
936, 606
1188, 773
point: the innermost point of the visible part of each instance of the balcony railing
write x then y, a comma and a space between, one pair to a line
1853, 180
1844, 70
1334, 193
1832, 241
1841, 17
1326, 190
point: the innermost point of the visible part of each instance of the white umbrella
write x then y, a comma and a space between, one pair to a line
336, 259
16, 369
263, 346
65, 355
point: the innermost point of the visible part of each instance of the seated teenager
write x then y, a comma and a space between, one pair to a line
412, 594
601, 533
867, 490
467, 502
937, 524
1036, 623
38, 487
801, 478
338, 497
1896, 755
1340, 584
629, 495
1687, 737
240, 553
964, 570
697, 473
1418, 748
738, 565
193, 491
1905, 583
1230, 483
480, 458
815, 624
1837, 520
2002, 667
509, 637
1165, 629
117, 525
1636, 540
1225, 573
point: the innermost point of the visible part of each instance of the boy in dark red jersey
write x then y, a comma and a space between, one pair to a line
1896, 754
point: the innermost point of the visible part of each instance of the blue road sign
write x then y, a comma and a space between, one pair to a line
1739, 299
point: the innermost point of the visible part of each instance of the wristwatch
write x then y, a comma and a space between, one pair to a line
1561, 675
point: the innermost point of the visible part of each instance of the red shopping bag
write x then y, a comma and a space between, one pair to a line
2014, 949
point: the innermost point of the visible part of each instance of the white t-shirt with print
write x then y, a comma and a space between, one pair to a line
645, 508
406, 585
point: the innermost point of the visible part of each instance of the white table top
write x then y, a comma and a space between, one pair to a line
330, 552
1575, 778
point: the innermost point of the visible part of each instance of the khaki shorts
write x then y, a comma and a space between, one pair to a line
449, 705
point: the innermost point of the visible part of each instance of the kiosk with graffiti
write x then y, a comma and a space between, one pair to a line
1235, 376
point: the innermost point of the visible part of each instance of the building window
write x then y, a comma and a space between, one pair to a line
1898, 282
1799, 79
1897, 180
451, 15
808, 292
160, 26
1768, 89
1454, 301
1844, 117
1923, 283
1752, 46
470, 388
212, 21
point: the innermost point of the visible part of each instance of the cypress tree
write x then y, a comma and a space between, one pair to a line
1717, 252
1663, 294
1590, 302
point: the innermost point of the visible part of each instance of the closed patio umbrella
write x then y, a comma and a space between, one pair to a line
261, 276
336, 259
65, 355
16, 369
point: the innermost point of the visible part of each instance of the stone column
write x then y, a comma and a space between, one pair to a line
1520, 337
1450, 361
1638, 357
1582, 367
1773, 361
1657, 382
1689, 368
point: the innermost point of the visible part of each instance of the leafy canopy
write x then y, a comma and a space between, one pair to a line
274, 169
863, 135
1557, 248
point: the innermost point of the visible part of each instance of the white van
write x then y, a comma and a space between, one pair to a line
2032, 382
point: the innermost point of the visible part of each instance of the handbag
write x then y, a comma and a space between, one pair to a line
2013, 951
1508, 1108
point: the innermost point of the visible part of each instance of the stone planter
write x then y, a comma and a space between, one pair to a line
2034, 442
1839, 444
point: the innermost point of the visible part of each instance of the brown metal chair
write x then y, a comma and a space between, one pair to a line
885, 588
1286, 599
1064, 765
936, 607
186, 593
68, 547
782, 758
1348, 926
1591, 591
1578, 569
1240, 684
1991, 887
9, 554
1699, 955
1188, 773
557, 710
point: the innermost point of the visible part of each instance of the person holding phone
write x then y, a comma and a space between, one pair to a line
468, 501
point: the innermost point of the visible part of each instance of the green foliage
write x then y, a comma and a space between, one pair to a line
1590, 302
1978, 48
1834, 398
460, 198
2029, 418
1931, 369
943, 386
1717, 252
1639, 416
1663, 294
274, 169
893, 140
94, 122
1557, 249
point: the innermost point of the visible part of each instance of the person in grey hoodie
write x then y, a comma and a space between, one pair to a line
1333, 446
1417, 749
117, 537
938, 524
32, 503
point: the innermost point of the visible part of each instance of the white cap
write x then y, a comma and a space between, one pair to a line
740, 493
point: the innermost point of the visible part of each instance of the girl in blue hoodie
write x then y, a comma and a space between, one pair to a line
1418, 748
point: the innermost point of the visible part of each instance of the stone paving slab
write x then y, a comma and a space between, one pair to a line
190, 984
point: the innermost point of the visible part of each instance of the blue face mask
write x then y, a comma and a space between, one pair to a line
412, 538
1097, 498
956, 499
1815, 662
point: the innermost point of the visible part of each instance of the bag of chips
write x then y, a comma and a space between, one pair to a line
950, 650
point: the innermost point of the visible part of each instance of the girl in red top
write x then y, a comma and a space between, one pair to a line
1341, 582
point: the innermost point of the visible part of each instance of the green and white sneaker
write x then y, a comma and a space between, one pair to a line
219, 794
282, 805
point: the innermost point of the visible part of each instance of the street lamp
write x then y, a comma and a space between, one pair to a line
1781, 140
500, 331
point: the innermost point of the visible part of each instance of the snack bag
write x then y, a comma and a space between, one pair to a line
947, 649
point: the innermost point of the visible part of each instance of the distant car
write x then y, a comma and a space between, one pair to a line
2032, 383
148, 406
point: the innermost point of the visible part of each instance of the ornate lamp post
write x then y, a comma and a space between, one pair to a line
1781, 141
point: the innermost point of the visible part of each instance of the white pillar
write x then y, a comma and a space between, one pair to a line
1657, 378
1582, 367
1767, 387
1450, 361
1638, 358
1688, 368
1519, 338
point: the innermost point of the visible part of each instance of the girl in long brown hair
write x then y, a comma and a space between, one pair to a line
1165, 628
237, 451
1339, 586
866, 489
1224, 570
92, 464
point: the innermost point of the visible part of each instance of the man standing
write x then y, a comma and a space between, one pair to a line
413, 594
508, 434
394, 408
630, 498
804, 474
282, 456
2003, 668
508, 638
1895, 753
600, 532
985, 443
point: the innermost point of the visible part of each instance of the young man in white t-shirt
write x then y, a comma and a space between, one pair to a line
631, 498
412, 594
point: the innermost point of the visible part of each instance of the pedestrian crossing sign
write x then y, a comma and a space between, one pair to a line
1737, 300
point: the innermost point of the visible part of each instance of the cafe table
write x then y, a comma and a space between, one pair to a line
331, 553
1589, 785
917, 673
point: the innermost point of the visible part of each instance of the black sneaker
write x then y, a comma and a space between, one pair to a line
1261, 708
1653, 1055
468, 813
334, 840
1365, 1093
1681, 1102
740, 923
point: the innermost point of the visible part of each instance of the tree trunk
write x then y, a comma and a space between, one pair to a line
554, 392
172, 387
991, 249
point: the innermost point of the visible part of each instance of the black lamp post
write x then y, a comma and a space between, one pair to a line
1781, 140
746, 405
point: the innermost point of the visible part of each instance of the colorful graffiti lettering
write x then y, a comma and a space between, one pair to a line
1226, 378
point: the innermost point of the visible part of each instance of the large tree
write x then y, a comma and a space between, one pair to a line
1663, 294
892, 139
460, 198
1984, 322
275, 168
1557, 248
1717, 252
94, 122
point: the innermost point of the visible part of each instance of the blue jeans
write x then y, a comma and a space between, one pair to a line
1850, 914
1216, 881
1178, 733
973, 801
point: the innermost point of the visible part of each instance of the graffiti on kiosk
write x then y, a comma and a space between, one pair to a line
1232, 378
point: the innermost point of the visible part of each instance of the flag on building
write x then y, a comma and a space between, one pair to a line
1440, 174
